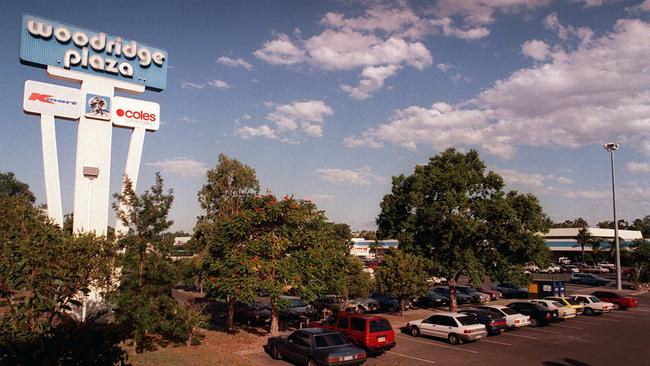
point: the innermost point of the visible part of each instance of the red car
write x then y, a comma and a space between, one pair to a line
621, 301
373, 333
494, 295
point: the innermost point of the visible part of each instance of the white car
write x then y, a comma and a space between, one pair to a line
553, 268
593, 304
608, 265
455, 327
564, 312
514, 319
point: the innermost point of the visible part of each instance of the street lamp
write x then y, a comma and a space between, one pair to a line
611, 147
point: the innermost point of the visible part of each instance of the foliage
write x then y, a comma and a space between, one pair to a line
144, 303
579, 222
455, 213
359, 283
43, 271
271, 246
585, 239
402, 275
622, 224
640, 258
12, 187
642, 225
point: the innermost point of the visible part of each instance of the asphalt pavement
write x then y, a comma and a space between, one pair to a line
621, 337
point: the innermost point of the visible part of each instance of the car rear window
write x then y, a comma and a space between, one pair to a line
509, 311
380, 325
572, 301
467, 320
329, 340
557, 304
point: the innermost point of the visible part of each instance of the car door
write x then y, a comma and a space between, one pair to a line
582, 299
357, 332
443, 325
342, 326
296, 347
426, 327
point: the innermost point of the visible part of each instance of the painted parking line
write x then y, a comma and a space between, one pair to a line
566, 326
600, 319
497, 342
412, 339
518, 335
411, 357
542, 330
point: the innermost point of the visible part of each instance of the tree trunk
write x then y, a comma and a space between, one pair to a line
275, 319
453, 305
231, 313
401, 307
583, 253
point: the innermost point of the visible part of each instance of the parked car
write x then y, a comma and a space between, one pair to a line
569, 268
552, 268
257, 312
564, 311
619, 301
386, 303
494, 295
608, 265
461, 298
593, 305
567, 301
493, 324
455, 327
511, 291
432, 299
564, 260
365, 305
539, 315
531, 268
588, 279
476, 295
297, 309
315, 346
372, 333
514, 319
333, 302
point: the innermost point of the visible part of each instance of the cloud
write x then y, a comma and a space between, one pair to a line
372, 80
359, 177
188, 119
551, 22
600, 91
637, 167
182, 166
536, 49
528, 180
319, 197
219, 84
444, 67
190, 85
234, 62
261, 131
643, 7
291, 120
280, 51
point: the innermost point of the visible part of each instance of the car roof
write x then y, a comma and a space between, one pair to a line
316, 331
364, 316
482, 311
448, 313
286, 297
495, 306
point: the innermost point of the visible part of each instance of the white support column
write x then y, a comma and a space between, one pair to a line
51, 168
132, 167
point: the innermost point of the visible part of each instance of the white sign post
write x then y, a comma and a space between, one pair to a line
51, 101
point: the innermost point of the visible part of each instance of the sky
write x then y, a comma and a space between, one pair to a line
327, 100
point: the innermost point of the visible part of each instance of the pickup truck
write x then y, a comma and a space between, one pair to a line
373, 333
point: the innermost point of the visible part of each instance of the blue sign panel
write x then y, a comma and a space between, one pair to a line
48, 42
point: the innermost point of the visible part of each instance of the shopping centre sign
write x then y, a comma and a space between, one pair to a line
48, 42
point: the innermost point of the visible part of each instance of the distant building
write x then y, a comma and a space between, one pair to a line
180, 241
563, 242
361, 247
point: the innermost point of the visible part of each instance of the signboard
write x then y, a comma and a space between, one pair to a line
98, 107
135, 113
52, 100
49, 42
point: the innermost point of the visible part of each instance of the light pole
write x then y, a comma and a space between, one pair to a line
611, 147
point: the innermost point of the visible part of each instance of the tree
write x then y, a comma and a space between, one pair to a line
640, 258
579, 222
144, 302
12, 187
622, 224
273, 246
359, 283
402, 275
585, 239
228, 186
43, 269
643, 225
456, 214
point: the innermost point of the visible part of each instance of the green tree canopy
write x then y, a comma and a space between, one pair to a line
11, 187
455, 213
578, 222
402, 275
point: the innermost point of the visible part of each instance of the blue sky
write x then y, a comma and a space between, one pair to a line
328, 100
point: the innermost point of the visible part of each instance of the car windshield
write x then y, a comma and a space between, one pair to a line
509, 311
467, 320
329, 340
572, 301
295, 303
379, 325
594, 299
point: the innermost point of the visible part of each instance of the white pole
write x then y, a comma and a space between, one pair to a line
51, 168
131, 170
618, 247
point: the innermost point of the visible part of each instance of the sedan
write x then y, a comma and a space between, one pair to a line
433, 300
593, 304
588, 279
455, 327
564, 311
510, 291
315, 346
514, 319
460, 297
620, 301
493, 324
538, 314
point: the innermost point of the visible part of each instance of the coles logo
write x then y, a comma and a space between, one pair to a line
140, 115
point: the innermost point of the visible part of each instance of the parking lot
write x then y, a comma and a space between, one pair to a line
617, 338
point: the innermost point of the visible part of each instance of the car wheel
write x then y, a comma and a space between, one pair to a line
534, 322
415, 331
275, 354
589, 311
454, 339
